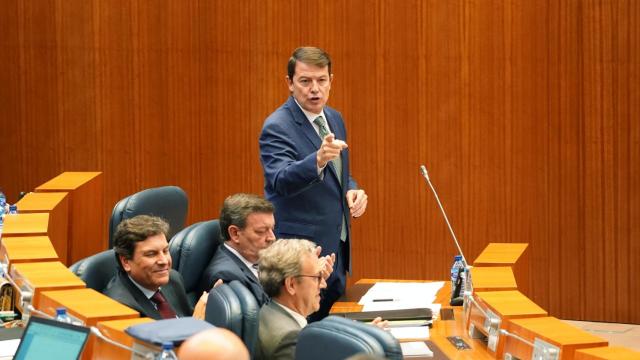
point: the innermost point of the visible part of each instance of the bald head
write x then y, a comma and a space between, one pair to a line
213, 344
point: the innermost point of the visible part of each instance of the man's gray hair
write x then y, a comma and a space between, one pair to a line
281, 260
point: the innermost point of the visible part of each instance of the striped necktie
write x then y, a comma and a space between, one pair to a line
337, 162
337, 165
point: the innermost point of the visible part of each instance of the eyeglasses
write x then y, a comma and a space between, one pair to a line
317, 277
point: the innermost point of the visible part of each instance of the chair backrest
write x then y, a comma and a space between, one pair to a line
338, 338
168, 202
250, 315
224, 309
191, 251
96, 270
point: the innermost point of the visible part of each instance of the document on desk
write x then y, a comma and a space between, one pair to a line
8, 348
415, 349
410, 332
401, 295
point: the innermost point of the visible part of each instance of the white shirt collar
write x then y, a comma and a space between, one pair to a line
311, 116
301, 320
248, 263
148, 293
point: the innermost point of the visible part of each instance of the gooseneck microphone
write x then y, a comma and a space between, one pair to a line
425, 174
41, 313
145, 355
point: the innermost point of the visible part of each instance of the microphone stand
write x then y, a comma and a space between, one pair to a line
456, 299
425, 174
145, 355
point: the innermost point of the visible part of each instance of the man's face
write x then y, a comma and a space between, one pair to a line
310, 86
151, 262
308, 285
256, 235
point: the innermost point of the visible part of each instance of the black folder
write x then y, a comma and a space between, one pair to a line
424, 314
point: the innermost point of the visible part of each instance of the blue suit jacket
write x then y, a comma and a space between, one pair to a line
226, 266
307, 205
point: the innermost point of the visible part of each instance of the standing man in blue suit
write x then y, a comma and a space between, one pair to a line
305, 159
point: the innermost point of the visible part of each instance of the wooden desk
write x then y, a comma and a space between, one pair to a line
87, 305
565, 337
607, 353
507, 254
114, 329
16, 250
87, 215
500, 254
25, 225
441, 328
510, 304
493, 278
41, 276
503, 306
56, 204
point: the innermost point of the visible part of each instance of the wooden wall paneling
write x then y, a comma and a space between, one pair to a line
118, 105
11, 113
623, 100
631, 234
39, 91
442, 79
524, 113
74, 55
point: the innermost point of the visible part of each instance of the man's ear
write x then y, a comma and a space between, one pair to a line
233, 233
125, 263
289, 285
289, 82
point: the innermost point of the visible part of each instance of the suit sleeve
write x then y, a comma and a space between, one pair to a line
286, 171
286, 349
353, 185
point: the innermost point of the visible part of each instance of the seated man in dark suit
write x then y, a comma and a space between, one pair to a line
246, 224
145, 281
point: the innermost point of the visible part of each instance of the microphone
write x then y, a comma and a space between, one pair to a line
33, 310
145, 355
456, 298
425, 174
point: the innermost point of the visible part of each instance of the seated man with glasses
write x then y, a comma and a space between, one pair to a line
291, 274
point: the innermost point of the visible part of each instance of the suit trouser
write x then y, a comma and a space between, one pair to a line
336, 284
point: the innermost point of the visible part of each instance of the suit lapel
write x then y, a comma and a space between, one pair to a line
139, 298
248, 273
310, 133
301, 120
255, 283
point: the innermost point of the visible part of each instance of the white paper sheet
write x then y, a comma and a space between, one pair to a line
410, 332
416, 348
8, 348
416, 292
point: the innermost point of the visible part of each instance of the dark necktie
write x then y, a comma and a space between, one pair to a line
163, 306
